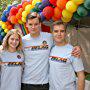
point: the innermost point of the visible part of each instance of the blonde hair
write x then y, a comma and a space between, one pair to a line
6, 38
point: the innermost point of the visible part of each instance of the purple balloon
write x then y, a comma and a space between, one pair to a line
42, 17
44, 4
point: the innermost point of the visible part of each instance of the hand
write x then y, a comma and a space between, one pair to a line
77, 51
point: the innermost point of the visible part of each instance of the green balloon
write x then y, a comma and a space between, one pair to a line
34, 10
1, 30
87, 4
76, 16
82, 11
3, 34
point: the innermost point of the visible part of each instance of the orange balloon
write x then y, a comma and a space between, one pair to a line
57, 13
24, 4
54, 18
18, 16
61, 3
13, 19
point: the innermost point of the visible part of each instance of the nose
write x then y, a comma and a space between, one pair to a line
33, 26
59, 33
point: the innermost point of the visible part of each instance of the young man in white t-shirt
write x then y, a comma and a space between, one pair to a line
62, 64
37, 46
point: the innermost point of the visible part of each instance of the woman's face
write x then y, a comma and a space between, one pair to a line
13, 41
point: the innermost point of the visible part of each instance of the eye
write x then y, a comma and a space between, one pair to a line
62, 31
17, 39
56, 31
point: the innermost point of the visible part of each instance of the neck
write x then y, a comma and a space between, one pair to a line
35, 35
10, 49
61, 43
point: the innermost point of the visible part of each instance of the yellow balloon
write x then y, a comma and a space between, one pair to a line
4, 26
71, 6
66, 19
78, 2
35, 1
6, 30
20, 21
24, 14
28, 8
66, 14
23, 19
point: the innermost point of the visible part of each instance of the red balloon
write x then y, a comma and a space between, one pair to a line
53, 2
13, 19
19, 6
48, 12
13, 11
57, 13
9, 27
61, 3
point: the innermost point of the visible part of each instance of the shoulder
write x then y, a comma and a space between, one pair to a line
46, 35
26, 36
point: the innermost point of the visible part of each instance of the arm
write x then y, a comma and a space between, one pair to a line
81, 80
77, 51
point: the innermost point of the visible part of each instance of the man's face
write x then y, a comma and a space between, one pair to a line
34, 25
59, 33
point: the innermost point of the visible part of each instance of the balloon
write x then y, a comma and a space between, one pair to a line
82, 11
3, 34
53, 2
61, 3
13, 19
23, 19
18, 16
78, 2
71, 6
76, 16
4, 26
1, 30
3, 18
37, 6
57, 13
6, 13
13, 11
24, 4
42, 17
24, 14
54, 18
48, 12
35, 1
9, 7
5, 30
19, 6
28, 8
44, 4
20, 21
66, 19
1, 38
87, 4
9, 27
66, 14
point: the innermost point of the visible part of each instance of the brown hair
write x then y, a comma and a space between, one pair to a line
60, 23
5, 40
33, 15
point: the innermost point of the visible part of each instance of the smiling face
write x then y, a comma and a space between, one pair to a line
13, 41
59, 34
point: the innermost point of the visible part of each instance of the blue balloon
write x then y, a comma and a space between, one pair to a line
3, 18
6, 13
9, 7
1, 38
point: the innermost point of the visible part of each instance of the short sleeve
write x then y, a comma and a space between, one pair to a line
77, 64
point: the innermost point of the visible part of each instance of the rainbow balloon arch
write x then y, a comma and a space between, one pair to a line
54, 10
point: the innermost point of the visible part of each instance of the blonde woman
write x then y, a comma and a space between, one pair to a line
11, 58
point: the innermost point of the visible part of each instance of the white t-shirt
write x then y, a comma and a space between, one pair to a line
62, 74
36, 51
11, 74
